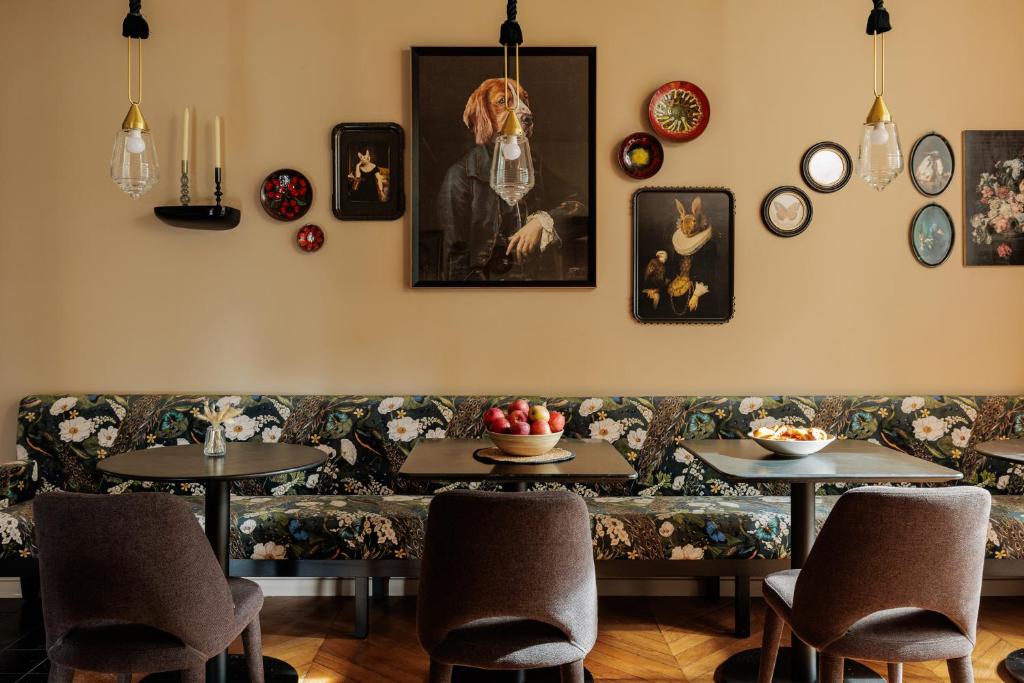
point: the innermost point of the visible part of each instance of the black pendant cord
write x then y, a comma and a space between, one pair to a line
878, 20
511, 33
134, 24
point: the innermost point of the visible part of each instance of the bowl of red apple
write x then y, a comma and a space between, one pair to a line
523, 429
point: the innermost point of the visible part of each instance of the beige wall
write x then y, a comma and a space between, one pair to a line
98, 295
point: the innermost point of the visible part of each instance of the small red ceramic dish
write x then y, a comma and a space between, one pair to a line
310, 237
286, 194
641, 155
679, 111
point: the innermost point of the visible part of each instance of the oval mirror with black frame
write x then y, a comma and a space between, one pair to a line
931, 164
787, 211
932, 235
826, 167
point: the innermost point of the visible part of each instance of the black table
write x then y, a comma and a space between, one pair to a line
243, 460
1010, 450
596, 461
842, 461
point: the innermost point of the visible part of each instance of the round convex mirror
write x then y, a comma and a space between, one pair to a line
826, 167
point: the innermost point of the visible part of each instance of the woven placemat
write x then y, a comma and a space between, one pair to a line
493, 454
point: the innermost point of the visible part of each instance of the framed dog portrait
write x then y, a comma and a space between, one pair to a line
683, 255
463, 233
368, 176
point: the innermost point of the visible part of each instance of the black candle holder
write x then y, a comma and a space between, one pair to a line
215, 217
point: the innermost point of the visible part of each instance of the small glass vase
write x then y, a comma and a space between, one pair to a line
215, 446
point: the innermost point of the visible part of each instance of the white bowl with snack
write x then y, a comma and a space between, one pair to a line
792, 441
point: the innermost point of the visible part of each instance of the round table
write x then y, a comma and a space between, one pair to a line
243, 460
1010, 450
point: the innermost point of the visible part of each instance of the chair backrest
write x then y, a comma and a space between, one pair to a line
885, 548
493, 555
139, 558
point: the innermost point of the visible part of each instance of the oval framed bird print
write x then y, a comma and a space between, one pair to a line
931, 164
932, 235
683, 255
787, 211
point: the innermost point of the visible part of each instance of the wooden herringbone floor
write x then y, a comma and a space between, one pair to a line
642, 639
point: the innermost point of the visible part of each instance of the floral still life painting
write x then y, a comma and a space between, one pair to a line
994, 198
682, 255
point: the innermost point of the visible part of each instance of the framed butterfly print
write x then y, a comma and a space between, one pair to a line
787, 211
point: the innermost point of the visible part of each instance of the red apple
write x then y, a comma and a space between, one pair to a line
539, 413
501, 426
493, 414
520, 428
539, 427
518, 416
556, 421
520, 404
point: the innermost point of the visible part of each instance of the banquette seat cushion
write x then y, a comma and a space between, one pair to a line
357, 506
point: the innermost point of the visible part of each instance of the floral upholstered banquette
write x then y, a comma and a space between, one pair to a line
357, 507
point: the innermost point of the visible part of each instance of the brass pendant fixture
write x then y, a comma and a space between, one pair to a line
512, 172
880, 157
133, 164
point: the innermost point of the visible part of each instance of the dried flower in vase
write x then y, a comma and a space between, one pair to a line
216, 418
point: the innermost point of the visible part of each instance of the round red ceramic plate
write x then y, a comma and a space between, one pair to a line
310, 237
679, 111
641, 155
286, 194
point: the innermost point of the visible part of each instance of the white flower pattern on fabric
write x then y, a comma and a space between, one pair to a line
390, 404
241, 428
961, 436
682, 455
228, 402
687, 552
403, 429
911, 404
666, 529
607, 429
326, 449
248, 526
268, 551
348, 451
105, 437
765, 422
271, 434
76, 429
63, 405
636, 439
590, 406
750, 404
20, 452
435, 433
929, 428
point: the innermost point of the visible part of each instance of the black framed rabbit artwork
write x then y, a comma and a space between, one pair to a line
683, 255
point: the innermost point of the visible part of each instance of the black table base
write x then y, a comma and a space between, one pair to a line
274, 671
742, 667
462, 674
1015, 664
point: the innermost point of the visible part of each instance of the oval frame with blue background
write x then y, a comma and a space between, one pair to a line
928, 243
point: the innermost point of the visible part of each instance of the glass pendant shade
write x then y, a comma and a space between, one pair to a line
133, 165
512, 174
880, 158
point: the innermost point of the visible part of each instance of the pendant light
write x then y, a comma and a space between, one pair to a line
880, 158
512, 173
133, 165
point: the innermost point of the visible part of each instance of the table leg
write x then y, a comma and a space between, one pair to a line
799, 663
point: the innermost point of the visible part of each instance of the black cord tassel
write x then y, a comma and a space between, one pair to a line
511, 33
878, 20
134, 24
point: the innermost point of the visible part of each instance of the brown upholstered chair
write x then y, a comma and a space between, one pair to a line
507, 582
130, 584
894, 576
